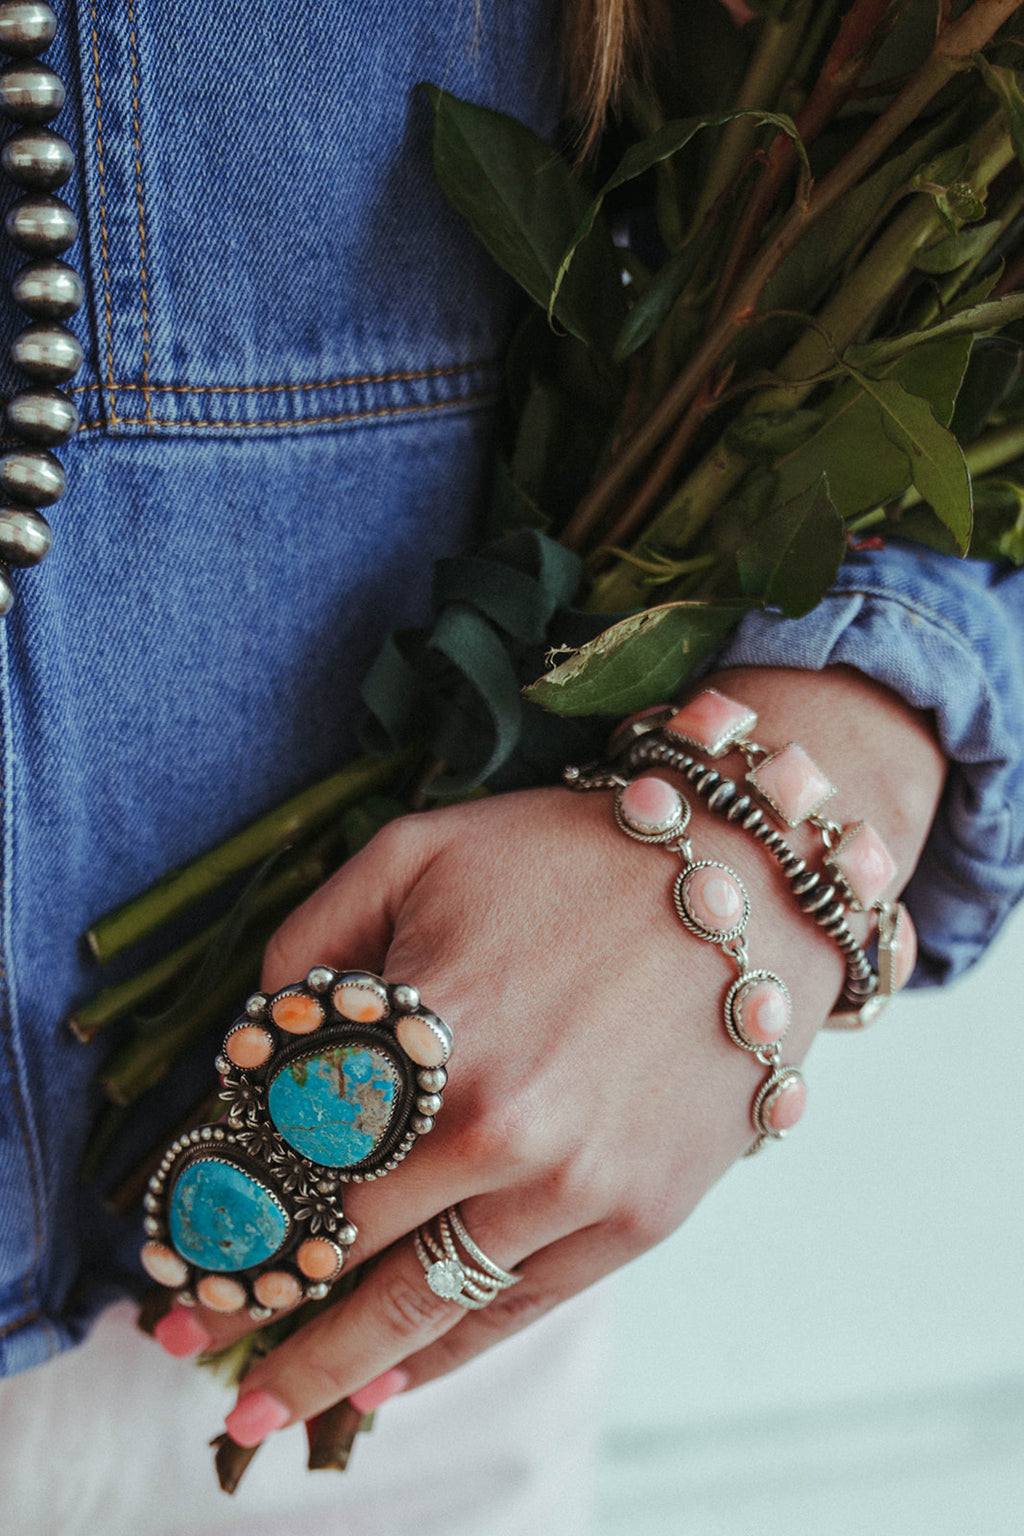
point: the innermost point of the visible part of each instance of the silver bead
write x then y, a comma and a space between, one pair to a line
37, 159
43, 416
317, 1291
346, 1234
33, 476
428, 1103
48, 290
25, 536
6, 593
256, 1005
27, 27
42, 226
432, 1079
319, 978
30, 92
405, 998
421, 1124
49, 354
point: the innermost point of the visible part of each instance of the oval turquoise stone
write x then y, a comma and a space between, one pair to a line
335, 1106
220, 1218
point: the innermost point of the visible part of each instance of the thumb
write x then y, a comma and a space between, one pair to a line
349, 921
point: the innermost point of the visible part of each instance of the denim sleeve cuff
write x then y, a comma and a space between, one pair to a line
947, 636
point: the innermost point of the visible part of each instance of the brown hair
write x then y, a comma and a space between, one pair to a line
604, 41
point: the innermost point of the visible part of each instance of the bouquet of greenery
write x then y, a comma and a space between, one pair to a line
776, 315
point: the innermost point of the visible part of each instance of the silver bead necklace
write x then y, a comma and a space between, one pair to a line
45, 288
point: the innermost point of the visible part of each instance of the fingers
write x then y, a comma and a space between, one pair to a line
393, 1317
350, 920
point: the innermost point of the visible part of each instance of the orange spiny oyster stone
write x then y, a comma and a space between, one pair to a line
297, 1013
277, 1289
319, 1258
221, 1294
362, 1002
249, 1046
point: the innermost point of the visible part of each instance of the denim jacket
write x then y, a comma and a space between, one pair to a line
291, 347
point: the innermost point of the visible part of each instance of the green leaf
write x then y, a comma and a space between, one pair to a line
639, 158
994, 369
523, 203
972, 321
937, 465
790, 557
999, 521
1002, 82
764, 435
864, 467
656, 301
638, 661
803, 277
957, 250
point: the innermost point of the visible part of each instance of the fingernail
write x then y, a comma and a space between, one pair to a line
379, 1390
181, 1334
254, 1417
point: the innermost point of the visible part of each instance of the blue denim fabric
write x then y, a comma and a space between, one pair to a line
291, 344
947, 636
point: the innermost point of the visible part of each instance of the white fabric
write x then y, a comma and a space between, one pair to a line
111, 1440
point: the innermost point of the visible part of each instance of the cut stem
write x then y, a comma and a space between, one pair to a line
182, 888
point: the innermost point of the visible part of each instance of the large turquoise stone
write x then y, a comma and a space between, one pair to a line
335, 1106
222, 1219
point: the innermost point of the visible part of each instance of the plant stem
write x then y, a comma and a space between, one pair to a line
957, 39
141, 1063
853, 307
767, 72
860, 34
182, 888
112, 1004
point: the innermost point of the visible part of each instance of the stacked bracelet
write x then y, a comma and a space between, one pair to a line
859, 867
712, 903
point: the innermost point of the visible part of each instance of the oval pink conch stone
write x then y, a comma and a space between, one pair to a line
714, 898
785, 1104
762, 1012
650, 805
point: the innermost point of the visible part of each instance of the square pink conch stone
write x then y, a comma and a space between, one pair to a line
712, 722
864, 865
792, 784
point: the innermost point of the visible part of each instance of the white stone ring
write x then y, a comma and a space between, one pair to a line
328, 1082
448, 1275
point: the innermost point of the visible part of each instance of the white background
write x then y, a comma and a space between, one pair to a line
834, 1343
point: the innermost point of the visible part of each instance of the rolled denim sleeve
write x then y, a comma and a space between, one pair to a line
947, 636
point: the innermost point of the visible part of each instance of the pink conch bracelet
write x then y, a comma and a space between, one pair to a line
859, 868
711, 901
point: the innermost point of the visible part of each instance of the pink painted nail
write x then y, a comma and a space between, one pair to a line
379, 1390
181, 1334
255, 1416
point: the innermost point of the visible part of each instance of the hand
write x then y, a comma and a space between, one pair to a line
594, 1094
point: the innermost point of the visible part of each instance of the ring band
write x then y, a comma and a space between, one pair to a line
448, 1274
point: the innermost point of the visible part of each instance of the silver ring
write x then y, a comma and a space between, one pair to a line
448, 1274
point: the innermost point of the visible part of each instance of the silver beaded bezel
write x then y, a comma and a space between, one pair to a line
732, 998
686, 917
